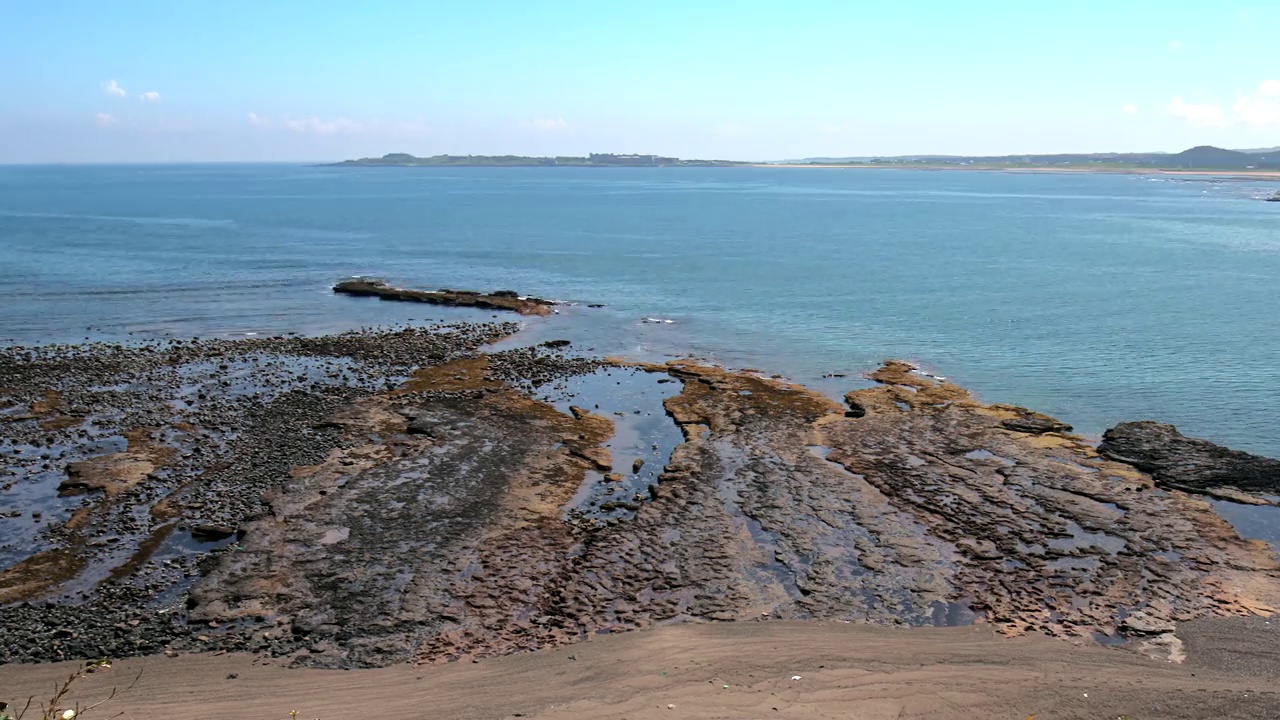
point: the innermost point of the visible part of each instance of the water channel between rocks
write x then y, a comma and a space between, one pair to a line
643, 439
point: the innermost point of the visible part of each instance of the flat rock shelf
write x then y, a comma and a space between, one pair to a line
414, 494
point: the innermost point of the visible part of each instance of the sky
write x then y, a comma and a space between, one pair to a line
294, 80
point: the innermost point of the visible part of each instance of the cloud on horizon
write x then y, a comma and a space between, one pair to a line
341, 127
150, 96
105, 119
112, 88
1260, 108
1199, 115
316, 126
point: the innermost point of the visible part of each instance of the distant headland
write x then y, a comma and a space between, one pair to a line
1203, 158
592, 160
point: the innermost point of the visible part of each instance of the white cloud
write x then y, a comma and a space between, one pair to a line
1262, 107
150, 96
1177, 45
1131, 108
105, 119
1200, 115
112, 88
342, 126
550, 124
316, 126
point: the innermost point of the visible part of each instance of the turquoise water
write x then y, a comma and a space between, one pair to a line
1097, 298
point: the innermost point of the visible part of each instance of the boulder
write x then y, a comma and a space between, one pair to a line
1187, 463
208, 532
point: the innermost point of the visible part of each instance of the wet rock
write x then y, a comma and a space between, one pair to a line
500, 300
112, 474
175, 434
426, 520
1035, 423
1140, 622
1177, 461
599, 457
205, 532
424, 425
636, 465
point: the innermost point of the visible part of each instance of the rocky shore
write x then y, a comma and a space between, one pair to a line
377, 497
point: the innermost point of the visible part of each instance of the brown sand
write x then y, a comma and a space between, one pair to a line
680, 671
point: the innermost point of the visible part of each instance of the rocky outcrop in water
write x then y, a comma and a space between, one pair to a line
497, 300
1177, 461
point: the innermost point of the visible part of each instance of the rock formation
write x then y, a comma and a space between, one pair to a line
1177, 461
498, 300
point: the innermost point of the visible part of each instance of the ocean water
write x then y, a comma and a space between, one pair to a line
1096, 298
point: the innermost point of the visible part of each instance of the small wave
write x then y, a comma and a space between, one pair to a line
187, 222
657, 321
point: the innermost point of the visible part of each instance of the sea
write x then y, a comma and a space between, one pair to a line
1097, 298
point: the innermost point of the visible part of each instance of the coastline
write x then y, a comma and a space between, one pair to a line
692, 488
1226, 174
474, 504
799, 670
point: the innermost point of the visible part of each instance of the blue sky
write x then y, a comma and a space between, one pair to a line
93, 81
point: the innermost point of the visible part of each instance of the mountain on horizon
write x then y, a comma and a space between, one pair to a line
1206, 157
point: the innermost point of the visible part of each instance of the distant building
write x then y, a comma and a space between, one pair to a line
612, 159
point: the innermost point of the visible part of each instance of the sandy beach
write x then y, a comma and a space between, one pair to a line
799, 670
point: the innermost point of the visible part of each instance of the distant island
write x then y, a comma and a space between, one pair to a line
1200, 159
592, 160
1203, 157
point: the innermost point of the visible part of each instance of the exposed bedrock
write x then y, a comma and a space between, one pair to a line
496, 300
439, 518
1177, 461
445, 534
1049, 536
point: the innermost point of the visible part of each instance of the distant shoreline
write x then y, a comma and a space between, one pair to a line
1236, 174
